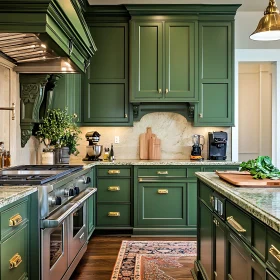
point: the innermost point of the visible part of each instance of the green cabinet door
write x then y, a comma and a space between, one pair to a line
181, 61
162, 204
91, 204
67, 94
216, 96
146, 61
205, 241
105, 92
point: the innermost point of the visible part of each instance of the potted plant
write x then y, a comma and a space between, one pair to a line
60, 130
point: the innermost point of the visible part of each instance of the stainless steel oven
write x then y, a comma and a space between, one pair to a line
64, 236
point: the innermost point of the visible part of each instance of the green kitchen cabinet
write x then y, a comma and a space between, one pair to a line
216, 74
163, 61
91, 204
67, 94
105, 86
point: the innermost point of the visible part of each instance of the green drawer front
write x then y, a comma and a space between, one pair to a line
258, 238
206, 194
16, 244
113, 172
238, 221
162, 204
220, 167
113, 190
20, 209
273, 249
122, 220
162, 172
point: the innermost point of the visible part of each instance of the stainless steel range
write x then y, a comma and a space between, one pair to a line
63, 192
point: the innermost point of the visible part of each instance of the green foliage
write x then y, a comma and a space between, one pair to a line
60, 129
261, 168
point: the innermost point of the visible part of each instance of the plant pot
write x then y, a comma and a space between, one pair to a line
61, 155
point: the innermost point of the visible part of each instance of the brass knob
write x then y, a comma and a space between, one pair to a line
125, 115
159, 90
200, 115
166, 91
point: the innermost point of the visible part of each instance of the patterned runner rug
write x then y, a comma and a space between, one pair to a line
155, 260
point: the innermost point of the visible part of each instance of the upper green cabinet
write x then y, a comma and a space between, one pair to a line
67, 94
216, 95
163, 61
105, 93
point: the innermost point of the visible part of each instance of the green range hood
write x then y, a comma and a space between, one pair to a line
45, 36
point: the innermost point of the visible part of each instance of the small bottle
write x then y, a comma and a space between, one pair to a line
8, 159
3, 159
106, 154
111, 155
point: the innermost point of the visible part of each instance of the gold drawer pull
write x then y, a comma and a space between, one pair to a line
15, 261
114, 171
114, 188
274, 252
162, 172
162, 191
235, 224
114, 214
211, 200
15, 220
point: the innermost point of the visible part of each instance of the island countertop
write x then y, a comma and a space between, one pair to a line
155, 162
262, 203
10, 194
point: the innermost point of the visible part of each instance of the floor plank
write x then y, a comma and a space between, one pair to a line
100, 257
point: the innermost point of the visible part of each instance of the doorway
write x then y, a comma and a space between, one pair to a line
255, 111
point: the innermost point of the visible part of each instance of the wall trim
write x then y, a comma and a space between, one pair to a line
260, 55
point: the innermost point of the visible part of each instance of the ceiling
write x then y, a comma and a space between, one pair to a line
247, 5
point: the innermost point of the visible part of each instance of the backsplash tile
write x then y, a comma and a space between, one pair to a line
173, 129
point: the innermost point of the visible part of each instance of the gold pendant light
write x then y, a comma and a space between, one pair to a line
269, 26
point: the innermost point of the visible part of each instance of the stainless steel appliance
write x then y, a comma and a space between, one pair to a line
198, 142
63, 191
217, 146
94, 150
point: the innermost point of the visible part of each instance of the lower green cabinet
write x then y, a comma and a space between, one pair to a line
162, 204
14, 256
91, 204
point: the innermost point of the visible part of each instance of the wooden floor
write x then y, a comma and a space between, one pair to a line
99, 260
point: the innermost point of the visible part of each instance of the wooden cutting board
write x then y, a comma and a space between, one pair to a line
244, 179
154, 148
144, 143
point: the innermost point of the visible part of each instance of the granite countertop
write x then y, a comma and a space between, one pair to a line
154, 162
263, 203
10, 194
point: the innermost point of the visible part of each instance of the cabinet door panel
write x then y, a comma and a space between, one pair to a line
192, 204
205, 244
146, 61
166, 208
106, 102
180, 61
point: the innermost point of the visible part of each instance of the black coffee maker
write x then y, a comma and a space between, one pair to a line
217, 145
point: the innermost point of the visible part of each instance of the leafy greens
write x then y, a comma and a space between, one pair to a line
261, 168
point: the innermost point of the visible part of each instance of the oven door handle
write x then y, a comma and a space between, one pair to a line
58, 217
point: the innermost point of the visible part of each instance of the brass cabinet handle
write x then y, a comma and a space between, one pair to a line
140, 180
114, 188
166, 91
235, 224
160, 191
15, 261
125, 115
274, 252
200, 115
216, 274
114, 171
114, 214
15, 220
162, 172
211, 199
159, 90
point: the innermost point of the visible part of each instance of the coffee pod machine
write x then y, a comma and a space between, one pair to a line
217, 146
93, 149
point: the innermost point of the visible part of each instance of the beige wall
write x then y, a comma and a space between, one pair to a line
173, 129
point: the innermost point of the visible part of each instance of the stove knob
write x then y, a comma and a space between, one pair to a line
87, 180
67, 192
58, 200
71, 192
77, 190
52, 201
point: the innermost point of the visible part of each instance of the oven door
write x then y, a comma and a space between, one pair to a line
54, 245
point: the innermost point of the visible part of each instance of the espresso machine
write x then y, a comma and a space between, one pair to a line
198, 142
93, 149
217, 146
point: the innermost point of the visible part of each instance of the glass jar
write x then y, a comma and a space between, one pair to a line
47, 156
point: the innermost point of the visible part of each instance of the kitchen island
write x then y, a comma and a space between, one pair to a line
238, 231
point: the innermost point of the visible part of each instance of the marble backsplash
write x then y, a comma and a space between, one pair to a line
173, 129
